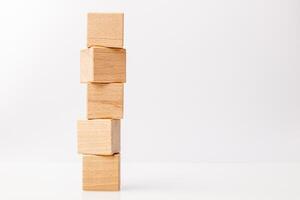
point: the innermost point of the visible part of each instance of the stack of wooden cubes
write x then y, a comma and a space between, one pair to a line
103, 69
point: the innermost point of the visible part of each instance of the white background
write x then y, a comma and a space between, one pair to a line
207, 80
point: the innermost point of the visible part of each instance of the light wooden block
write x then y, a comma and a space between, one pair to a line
105, 101
103, 65
105, 29
98, 137
101, 173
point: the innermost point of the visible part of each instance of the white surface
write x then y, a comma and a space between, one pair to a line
207, 80
186, 181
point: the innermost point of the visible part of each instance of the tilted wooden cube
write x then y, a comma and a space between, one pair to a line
105, 29
98, 137
103, 65
105, 101
101, 173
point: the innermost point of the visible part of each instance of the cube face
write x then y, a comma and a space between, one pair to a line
101, 173
105, 101
103, 65
86, 65
105, 29
98, 137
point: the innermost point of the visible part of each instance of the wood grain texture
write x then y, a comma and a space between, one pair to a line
101, 173
105, 101
103, 65
98, 137
105, 29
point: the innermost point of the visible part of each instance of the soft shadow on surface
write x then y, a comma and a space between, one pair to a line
149, 187
134, 191
100, 195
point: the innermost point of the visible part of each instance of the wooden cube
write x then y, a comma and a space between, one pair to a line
103, 65
98, 137
101, 173
105, 100
105, 29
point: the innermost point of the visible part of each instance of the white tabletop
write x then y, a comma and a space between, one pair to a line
155, 181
